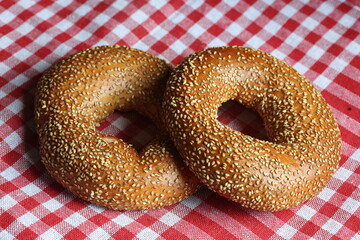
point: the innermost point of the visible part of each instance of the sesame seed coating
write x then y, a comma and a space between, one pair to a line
80, 91
304, 144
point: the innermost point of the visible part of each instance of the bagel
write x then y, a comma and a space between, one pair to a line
304, 144
79, 92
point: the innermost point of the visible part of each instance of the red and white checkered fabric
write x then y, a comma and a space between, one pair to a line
319, 38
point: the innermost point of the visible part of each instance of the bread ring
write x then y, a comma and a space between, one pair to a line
304, 147
78, 93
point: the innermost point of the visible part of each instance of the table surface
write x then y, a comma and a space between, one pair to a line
319, 38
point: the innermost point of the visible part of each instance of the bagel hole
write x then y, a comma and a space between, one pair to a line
131, 127
239, 118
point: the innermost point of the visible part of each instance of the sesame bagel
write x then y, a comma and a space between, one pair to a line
303, 150
79, 92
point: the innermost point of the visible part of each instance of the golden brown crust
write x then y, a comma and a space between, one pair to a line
82, 90
304, 147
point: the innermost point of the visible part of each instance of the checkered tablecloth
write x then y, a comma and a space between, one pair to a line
319, 38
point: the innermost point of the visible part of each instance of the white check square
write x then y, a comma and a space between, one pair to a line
331, 36
158, 3
97, 208
7, 202
310, 23
23, 53
192, 202
6, 17
338, 64
28, 219
141, 45
62, 50
83, 10
51, 234
101, 19
231, 3
43, 39
356, 155
326, 194
64, 3
120, 30
139, 16
26, 3
177, 17
31, 189
196, 30
99, 233
75, 219
343, 174
286, 231
41, 66
278, 54
347, 21
350, 205
214, 15
16, 106
5, 42
45, 14
300, 68
147, 234
52, 205
234, 29
178, 46
216, 43
9, 174
13, 140
332, 226
255, 42
354, 48
288, 10
3, 67
325, 8
294, 40
306, 212
170, 219
64, 25
82, 35
123, 220
159, 32
252, 13
322, 82
315, 52
272, 27
6, 235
